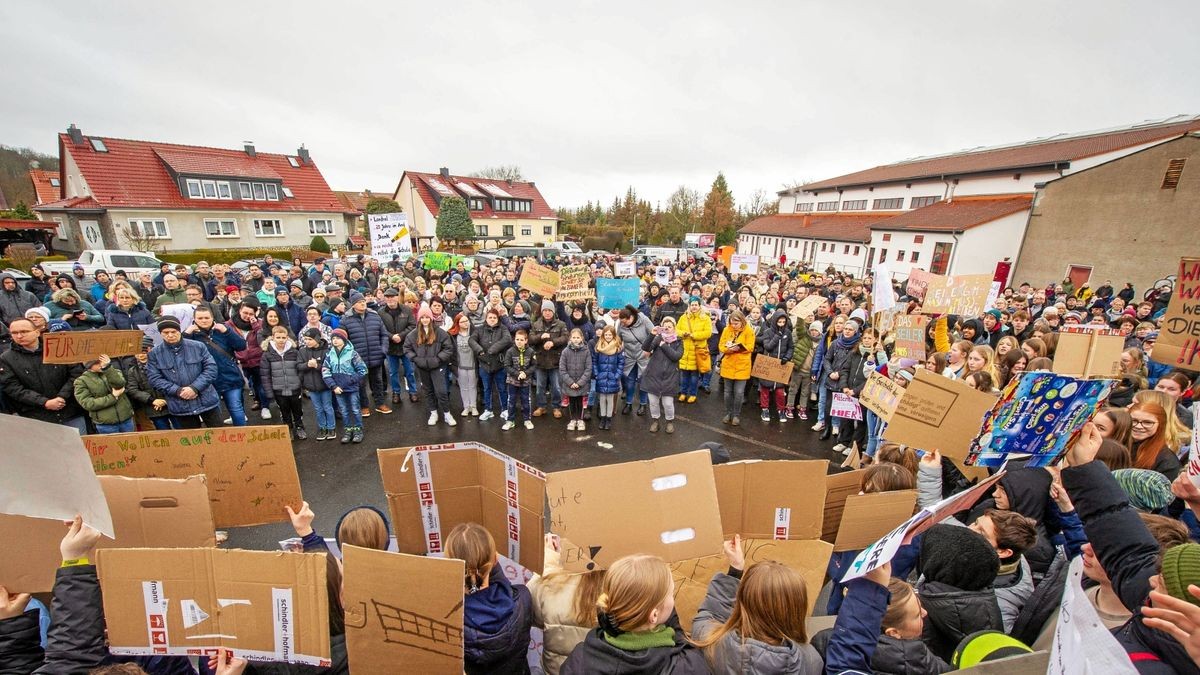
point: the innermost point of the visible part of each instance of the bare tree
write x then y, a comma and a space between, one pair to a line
500, 172
137, 239
759, 204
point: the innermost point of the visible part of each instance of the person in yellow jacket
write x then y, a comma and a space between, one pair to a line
694, 328
737, 344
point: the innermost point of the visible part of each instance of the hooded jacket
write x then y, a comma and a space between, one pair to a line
893, 656
517, 361
958, 567
802, 346
607, 370
596, 655
92, 318
94, 392
575, 367
14, 303
775, 341
430, 356
981, 337
28, 384
735, 365
397, 321
493, 342
547, 359
699, 326
632, 339
1028, 491
496, 623
137, 386
368, 335
281, 372
184, 364
661, 377
310, 377
130, 319
748, 657
343, 368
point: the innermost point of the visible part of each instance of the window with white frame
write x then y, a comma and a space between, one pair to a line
260, 191
223, 191
526, 231
54, 182
149, 229
287, 192
210, 188
804, 207
508, 230
273, 192
320, 226
60, 229
244, 189
268, 228
219, 229
193, 188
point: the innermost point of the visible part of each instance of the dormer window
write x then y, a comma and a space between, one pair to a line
477, 204
272, 192
193, 188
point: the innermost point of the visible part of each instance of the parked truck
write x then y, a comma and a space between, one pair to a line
133, 262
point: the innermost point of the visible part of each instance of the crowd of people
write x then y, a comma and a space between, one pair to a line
358, 337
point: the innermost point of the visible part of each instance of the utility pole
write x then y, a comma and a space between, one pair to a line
635, 229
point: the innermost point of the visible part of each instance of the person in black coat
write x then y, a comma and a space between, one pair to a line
371, 340
37, 390
431, 350
497, 614
958, 566
494, 341
398, 320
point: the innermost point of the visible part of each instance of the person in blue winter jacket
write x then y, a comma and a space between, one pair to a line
343, 372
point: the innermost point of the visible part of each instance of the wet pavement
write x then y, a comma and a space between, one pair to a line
336, 477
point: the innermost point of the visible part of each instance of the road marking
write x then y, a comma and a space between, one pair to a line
727, 432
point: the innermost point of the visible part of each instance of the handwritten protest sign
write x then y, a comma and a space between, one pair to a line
964, 295
910, 336
390, 235
79, 346
1083, 645
624, 269
46, 474
918, 281
538, 279
844, 406
616, 293
808, 306
436, 260
1179, 339
251, 471
772, 369
573, 284
743, 264
881, 395
1039, 413
937, 412
402, 609
881, 552
1193, 465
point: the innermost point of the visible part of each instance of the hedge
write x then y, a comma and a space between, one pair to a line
5, 262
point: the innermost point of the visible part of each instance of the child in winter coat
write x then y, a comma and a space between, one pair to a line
431, 350
638, 631
343, 371
100, 390
775, 341
309, 361
804, 339
608, 366
496, 614
575, 376
494, 340
753, 621
281, 377
518, 363
138, 389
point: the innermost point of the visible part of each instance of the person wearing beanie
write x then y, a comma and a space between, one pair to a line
548, 336
804, 338
958, 567
370, 338
185, 371
431, 350
343, 371
1149, 491
775, 341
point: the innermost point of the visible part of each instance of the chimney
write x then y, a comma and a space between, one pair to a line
445, 172
509, 181
75, 134
302, 153
249, 146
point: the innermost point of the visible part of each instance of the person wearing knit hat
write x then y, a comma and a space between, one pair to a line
356, 297
1181, 568
987, 645
861, 315
958, 566
547, 305
548, 336
168, 323
816, 327
343, 372
1148, 490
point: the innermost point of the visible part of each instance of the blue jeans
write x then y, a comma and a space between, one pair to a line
494, 382
78, 424
235, 406
118, 428
323, 406
549, 395
689, 382
630, 383
822, 397
706, 379
347, 403
873, 431
164, 423
395, 361
518, 397
254, 375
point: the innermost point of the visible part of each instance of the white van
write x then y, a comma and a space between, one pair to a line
566, 247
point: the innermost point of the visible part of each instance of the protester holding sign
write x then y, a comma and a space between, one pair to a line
737, 345
34, 389
100, 390
775, 341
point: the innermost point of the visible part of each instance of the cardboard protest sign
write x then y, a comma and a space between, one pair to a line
964, 294
1082, 644
47, 474
665, 506
540, 280
918, 281
938, 413
615, 293
440, 486
808, 557
251, 471
759, 500
1040, 414
743, 264
402, 609
807, 307
910, 336
1179, 339
845, 406
772, 369
1033, 663
573, 284
390, 235
868, 517
1088, 354
882, 551
881, 395
85, 345
263, 606
436, 260
147, 513
626, 268
838, 488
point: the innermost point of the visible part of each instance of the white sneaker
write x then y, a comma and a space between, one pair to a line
504, 414
474, 412
432, 418
529, 424
508, 425
266, 413
450, 420
487, 415
571, 425
579, 426
848, 450
839, 447
228, 420
819, 426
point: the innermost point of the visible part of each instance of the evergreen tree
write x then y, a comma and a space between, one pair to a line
454, 220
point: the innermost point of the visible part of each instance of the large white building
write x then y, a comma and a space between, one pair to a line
955, 213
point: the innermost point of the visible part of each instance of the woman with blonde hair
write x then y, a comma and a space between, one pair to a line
981, 358
752, 621
564, 605
608, 365
636, 633
1007, 344
956, 359
496, 613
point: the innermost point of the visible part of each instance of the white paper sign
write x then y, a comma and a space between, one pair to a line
845, 406
390, 235
883, 297
740, 263
624, 269
1082, 644
182, 312
662, 274
1193, 465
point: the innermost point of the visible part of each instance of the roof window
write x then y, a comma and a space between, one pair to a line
98, 145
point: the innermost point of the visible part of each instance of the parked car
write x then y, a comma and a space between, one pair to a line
244, 264
133, 262
542, 253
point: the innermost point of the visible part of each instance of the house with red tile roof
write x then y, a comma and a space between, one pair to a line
957, 213
504, 212
183, 197
47, 185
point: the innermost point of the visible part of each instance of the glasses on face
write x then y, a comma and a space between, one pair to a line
1144, 424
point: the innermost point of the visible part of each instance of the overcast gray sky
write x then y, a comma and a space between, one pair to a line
591, 97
